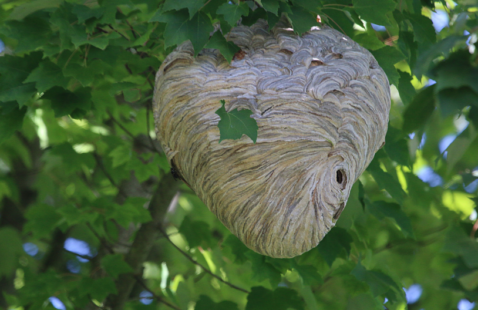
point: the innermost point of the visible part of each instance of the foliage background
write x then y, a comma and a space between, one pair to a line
90, 216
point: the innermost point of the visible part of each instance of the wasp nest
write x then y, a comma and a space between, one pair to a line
321, 102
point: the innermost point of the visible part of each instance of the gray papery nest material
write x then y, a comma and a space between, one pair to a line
321, 102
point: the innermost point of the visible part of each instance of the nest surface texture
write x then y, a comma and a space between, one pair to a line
321, 103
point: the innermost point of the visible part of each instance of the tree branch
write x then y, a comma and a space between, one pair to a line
144, 240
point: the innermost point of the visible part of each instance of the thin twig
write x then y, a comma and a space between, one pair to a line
329, 8
198, 264
87, 49
69, 58
109, 25
121, 125
334, 22
131, 27
79, 255
159, 298
108, 176
128, 68
102, 241
204, 5
130, 134
336, 4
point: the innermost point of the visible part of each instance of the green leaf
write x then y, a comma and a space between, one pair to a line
14, 70
227, 49
238, 248
196, 233
364, 302
458, 242
398, 151
281, 298
254, 16
368, 41
11, 121
179, 28
33, 32
114, 265
192, 5
453, 100
422, 28
64, 102
381, 209
310, 5
374, 12
121, 155
419, 110
408, 47
460, 145
334, 243
234, 124
74, 215
262, 270
405, 87
308, 273
386, 57
206, 303
379, 283
84, 12
443, 47
143, 170
455, 72
46, 76
22, 11
386, 181
341, 22
302, 19
397, 147
41, 219
99, 289
271, 6
10, 247
232, 12
131, 211
85, 74
71, 160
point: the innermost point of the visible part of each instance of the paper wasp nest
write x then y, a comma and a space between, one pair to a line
321, 102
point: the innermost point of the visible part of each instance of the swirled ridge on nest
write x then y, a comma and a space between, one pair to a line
321, 103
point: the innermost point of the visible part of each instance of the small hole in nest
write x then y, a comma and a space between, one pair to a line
286, 51
315, 63
341, 178
337, 56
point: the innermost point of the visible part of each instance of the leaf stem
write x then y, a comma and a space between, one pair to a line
198, 264
159, 298
129, 133
334, 23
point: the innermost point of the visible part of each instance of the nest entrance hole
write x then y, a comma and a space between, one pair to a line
341, 178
